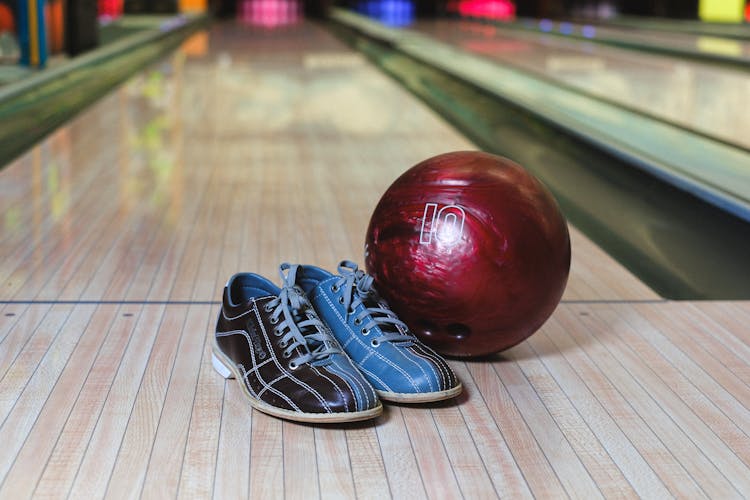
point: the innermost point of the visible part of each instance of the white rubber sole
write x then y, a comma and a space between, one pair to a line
420, 397
228, 370
220, 368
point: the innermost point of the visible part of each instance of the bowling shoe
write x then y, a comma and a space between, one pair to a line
399, 366
284, 357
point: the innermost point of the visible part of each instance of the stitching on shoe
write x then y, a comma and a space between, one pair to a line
452, 379
358, 378
269, 385
273, 390
319, 289
337, 388
432, 364
258, 366
365, 370
252, 307
312, 391
344, 376
257, 374
399, 350
247, 382
379, 356
233, 332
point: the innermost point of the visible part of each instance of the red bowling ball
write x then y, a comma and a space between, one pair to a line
471, 251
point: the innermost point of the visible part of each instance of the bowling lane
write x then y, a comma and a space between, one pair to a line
699, 96
288, 127
251, 146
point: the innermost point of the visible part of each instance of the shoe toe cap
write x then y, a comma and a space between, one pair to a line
353, 392
424, 372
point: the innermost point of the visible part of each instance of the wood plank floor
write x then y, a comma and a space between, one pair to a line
119, 230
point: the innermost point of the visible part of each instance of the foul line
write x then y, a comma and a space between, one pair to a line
216, 302
119, 302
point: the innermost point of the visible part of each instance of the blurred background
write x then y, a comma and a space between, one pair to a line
42, 32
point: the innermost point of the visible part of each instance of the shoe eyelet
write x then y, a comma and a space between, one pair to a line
283, 345
274, 321
365, 331
334, 288
287, 355
357, 321
277, 331
374, 343
341, 299
293, 366
267, 308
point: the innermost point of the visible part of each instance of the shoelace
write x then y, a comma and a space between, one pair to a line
297, 324
357, 286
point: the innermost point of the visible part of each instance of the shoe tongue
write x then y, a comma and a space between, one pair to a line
315, 344
303, 312
298, 291
299, 314
323, 346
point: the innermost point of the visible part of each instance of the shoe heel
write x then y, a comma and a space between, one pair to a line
220, 367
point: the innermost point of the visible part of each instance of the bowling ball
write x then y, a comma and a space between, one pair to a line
470, 250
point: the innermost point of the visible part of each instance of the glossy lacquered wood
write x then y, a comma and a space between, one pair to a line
120, 229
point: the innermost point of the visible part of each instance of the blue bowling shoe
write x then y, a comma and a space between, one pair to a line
399, 366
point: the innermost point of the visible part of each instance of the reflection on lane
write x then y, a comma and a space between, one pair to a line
702, 97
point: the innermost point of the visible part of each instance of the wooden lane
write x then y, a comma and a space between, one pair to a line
275, 146
151, 191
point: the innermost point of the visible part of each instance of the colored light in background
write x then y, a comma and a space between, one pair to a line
487, 9
545, 25
190, 6
606, 10
747, 12
588, 31
566, 28
268, 13
389, 12
32, 35
109, 10
54, 13
7, 22
728, 11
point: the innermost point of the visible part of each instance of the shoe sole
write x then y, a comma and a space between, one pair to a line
420, 397
227, 369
